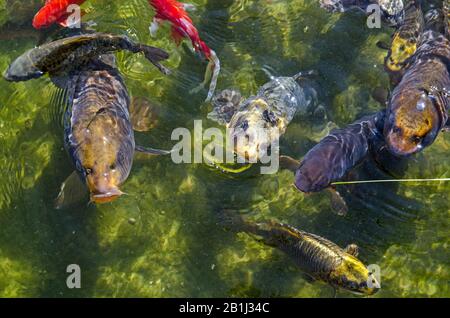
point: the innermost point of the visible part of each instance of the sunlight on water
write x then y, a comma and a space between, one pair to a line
162, 239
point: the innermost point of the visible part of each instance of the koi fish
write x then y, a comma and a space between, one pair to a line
337, 153
98, 132
417, 109
54, 11
67, 54
418, 106
334, 156
256, 122
183, 27
392, 10
404, 41
316, 256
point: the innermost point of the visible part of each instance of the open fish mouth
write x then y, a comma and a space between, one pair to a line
106, 197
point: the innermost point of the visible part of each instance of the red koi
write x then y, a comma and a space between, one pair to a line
54, 11
183, 27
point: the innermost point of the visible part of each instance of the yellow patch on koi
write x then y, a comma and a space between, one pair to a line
355, 271
400, 51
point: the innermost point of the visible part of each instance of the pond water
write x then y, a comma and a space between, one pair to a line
163, 239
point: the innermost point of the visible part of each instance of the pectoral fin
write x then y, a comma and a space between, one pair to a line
73, 192
310, 279
60, 81
352, 249
289, 163
338, 203
151, 151
383, 45
447, 126
143, 114
380, 94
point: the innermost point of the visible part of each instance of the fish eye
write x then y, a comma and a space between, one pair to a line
416, 139
112, 167
244, 125
396, 130
269, 117
88, 171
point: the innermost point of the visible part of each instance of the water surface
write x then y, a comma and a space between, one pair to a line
175, 248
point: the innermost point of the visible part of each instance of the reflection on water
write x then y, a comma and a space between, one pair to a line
162, 238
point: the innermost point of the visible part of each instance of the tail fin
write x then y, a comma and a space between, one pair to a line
156, 55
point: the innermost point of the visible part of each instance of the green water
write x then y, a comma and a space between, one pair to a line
175, 248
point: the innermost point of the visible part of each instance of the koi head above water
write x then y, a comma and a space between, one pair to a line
103, 181
354, 276
254, 129
54, 11
412, 122
401, 49
104, 162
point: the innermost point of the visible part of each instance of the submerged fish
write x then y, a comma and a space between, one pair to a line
54, 11
64, 55
418, 106
404, 40
392, 10
183, 27
446, 13
338, 153
334, 156
255, 123
316, 256
98, 133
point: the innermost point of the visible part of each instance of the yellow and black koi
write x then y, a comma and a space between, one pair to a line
404, 41
316, 256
